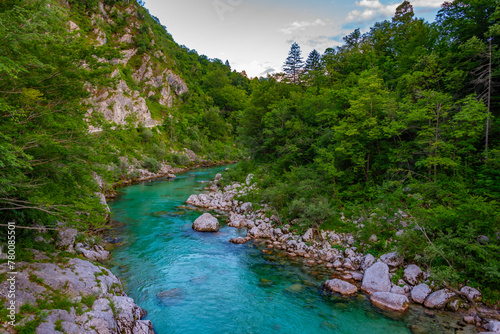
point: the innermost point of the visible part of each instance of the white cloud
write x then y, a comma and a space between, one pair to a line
374, 9
302, 25
427, 3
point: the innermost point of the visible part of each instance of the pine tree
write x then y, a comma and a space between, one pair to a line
313, 62
228, 65
294, 63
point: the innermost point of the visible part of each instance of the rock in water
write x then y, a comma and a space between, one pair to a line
171, 297
206, 223
240, 240
295, 288
376, 279
337, 285
390, 301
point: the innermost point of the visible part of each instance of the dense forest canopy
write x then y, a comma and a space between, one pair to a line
403, 118
398, 127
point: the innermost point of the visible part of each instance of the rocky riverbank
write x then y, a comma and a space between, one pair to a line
62, 292
350, 270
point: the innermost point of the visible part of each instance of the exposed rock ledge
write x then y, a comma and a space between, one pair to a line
95, 301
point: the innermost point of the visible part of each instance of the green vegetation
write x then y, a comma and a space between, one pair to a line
404, 117
394, 134
48, 156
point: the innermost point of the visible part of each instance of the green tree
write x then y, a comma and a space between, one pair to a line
294, 64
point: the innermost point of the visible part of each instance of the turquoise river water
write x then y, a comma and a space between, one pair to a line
212, 286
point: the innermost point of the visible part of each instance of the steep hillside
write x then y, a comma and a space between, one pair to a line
100, 87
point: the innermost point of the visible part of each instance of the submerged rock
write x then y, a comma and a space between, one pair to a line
171, 297
295, 288
390, 301
206, 223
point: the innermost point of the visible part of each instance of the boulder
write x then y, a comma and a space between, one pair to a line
240, 240
218, 176
413, 274
390, 301
494, 326
66, 239
206, 223
398, 290
96, 253
472, 293
376, 279
193, 200
420, 293
309, 235
368, 261
439, 299
393, 259
342, 287
247, 207
349, 253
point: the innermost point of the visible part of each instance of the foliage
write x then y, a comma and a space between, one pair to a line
392, 120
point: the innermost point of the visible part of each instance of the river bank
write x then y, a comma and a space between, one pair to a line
68, 289
60, 292
392, 283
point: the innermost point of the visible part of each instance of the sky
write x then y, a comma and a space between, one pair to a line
256, 35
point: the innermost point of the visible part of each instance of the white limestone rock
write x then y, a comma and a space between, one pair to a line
376, 279
420, 293
206, 223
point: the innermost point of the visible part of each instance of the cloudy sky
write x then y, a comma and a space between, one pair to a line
256, 35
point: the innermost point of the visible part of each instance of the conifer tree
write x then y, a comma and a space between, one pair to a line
313, 62
294, 63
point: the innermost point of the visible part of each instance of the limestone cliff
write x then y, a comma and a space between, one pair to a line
144, 77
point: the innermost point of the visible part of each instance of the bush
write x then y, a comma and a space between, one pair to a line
177, 159
151, 164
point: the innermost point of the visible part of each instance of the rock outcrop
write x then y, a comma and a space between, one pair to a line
74, 280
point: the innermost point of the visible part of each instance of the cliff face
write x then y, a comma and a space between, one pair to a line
144, 77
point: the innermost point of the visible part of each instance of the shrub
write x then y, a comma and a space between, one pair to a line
151, 164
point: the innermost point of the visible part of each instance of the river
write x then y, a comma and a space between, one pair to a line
208, 285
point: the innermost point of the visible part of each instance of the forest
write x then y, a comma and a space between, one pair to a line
396, 131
